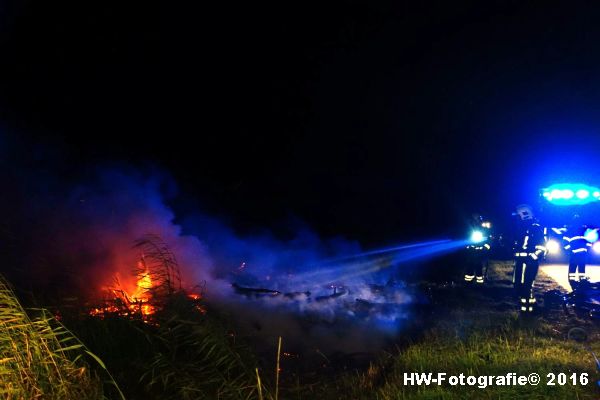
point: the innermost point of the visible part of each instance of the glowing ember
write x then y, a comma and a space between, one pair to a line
121, 303
125, 304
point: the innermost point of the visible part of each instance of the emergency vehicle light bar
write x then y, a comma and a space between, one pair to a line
569, 194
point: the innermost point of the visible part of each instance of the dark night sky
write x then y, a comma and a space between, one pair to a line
366, 119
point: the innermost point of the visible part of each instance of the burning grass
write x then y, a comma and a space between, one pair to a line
157, 279
160, 340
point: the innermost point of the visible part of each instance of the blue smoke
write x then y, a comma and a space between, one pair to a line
91, 230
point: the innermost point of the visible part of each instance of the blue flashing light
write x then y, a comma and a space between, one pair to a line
582, 194
591, 235
555, 194
477, 237
569, 194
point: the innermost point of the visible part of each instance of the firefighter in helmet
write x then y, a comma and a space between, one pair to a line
530, 248
577, 245
478, 249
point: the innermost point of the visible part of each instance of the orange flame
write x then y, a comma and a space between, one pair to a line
126, 304
138, 300
143, 284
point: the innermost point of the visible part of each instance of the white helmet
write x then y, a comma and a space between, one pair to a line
524, 212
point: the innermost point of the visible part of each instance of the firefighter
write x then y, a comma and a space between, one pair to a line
529, 250
577, 246
477, 251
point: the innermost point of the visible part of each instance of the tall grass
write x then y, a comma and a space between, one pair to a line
179, 354
195, 358
40, 359
481, 354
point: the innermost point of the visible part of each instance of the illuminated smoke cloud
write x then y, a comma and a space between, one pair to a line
354, 303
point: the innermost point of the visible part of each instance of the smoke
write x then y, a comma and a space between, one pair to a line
82, 239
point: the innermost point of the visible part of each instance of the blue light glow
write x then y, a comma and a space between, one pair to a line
477, 237
568, 194
383, 251
591, 235
401, 257
372, 260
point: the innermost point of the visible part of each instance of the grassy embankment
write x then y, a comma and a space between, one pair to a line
477, 332
473, 331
